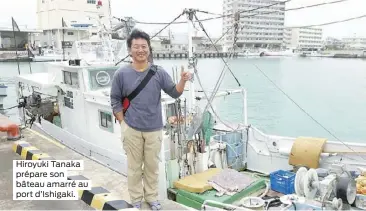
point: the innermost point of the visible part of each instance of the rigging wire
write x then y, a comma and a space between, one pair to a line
293, 27
267, 6
180, 15
220, 80
210, 13
238, 14
217, 85
213, 18
204, 30
291, 9
251, 10
303, 110
329, 23
322, 24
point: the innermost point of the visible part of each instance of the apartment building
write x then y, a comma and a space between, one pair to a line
262, 28
80, 18
354, 42
304, 38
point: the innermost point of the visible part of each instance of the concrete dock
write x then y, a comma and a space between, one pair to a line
109, 187
7, 155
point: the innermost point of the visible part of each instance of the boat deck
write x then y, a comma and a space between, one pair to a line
100, 176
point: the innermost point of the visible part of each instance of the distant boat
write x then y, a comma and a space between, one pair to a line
286, 52
48, 55
315, 54
248, 53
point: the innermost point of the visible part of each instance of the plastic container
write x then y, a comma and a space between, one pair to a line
283, 181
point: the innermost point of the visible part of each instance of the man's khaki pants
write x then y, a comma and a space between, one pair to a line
142, 148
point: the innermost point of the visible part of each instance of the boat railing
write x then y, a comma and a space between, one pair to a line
206, 204
228, 92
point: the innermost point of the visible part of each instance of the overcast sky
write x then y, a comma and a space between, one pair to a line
24, 12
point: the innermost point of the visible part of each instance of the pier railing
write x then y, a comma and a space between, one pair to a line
184, 55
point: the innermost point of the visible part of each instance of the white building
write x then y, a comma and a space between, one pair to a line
80, 17
304, 38
261, 28
355, 42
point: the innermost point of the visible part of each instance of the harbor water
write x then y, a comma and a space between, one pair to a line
332, 91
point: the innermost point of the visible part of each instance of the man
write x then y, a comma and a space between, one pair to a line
142, 123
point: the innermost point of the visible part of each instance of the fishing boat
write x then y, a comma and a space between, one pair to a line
205, 162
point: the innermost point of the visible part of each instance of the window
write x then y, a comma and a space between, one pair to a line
91, 1
68, 100
101, 77
105, 121
70, 33
71, 78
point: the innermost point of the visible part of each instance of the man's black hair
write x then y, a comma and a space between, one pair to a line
138, 34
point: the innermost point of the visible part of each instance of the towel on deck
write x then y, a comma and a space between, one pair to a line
230, 182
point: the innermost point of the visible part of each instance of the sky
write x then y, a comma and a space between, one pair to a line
24, 12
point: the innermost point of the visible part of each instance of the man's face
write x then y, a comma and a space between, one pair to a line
140, 50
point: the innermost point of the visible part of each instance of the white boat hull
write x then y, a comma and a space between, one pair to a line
3, 90
268, 153
48, 58
3, 94
248, 54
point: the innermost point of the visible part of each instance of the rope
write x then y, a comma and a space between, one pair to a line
4, 109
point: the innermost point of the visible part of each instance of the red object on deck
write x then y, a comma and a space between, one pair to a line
99, 4
12, 129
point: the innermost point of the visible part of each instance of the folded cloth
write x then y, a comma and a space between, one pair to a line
230, 182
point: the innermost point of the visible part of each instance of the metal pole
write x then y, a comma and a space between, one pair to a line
63, 39
15, 42
191, 94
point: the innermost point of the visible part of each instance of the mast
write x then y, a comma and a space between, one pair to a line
63, 39
191, 92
